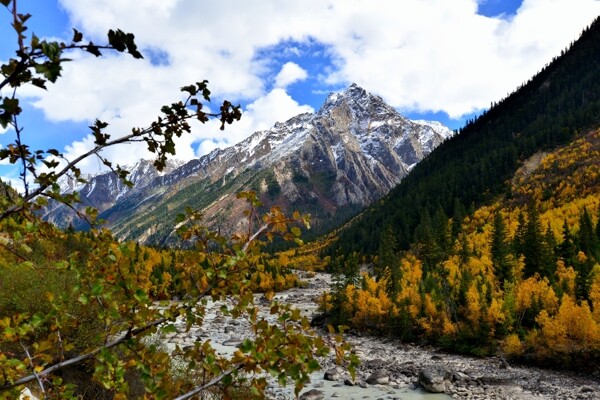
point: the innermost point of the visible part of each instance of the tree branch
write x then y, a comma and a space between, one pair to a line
124, 139
76, 360
209, 384
37, 377
255, 236
87, 356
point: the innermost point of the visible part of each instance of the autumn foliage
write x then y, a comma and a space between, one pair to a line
521, 274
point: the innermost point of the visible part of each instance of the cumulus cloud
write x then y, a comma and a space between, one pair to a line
419, 55
432, 55
290, 73
262, 114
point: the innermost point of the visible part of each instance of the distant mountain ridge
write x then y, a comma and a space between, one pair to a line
330, 163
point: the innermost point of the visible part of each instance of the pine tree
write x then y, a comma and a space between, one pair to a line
549, 252
443, 233
598, 225
387, 251
567, 249
587, 243
457, 217
519, 238
533, 247
500, 251
430, 237
587, 239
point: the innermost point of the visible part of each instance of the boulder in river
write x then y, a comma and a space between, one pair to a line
379, 377
435, 379
313, 394
332, 375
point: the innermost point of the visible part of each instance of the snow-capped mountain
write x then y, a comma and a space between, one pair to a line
330, 163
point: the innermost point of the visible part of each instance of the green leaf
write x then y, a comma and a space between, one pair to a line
116, 39
36, 320
97, 289
77, 36
246, 346
11, 105
170, 328
313, 365
39, 82
140, 296
50, 70
50, 50
83, 299
92, 48
191, 89
5, 3
227, 380
35, 42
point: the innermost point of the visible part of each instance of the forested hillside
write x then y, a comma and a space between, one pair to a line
522, 272
471, 168
493, 241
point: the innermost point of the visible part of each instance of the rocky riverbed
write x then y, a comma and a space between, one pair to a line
393, 370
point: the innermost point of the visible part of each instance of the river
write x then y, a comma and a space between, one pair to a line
471, 377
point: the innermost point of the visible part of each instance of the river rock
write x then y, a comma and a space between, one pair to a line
332, 375
587, 389
313, 394
434, 379
379, 377
232, 342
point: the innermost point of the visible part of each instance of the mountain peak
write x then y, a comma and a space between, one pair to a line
331, 163
354, 97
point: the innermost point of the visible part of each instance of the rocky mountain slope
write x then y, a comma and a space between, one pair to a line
331, 164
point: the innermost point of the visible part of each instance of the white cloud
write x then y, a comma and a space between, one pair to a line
419, 55
290, 73
275, 106
262, 114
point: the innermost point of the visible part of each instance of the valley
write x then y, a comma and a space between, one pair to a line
400, 362
344, 238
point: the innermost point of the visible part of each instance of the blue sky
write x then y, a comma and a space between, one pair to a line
431, 59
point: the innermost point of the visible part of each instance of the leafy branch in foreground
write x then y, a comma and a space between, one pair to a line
41, 62
115, 284
85, 302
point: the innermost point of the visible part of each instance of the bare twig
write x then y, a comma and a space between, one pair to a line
60, 344
209, 384
255, 236
15, 21
37, 377
86, 356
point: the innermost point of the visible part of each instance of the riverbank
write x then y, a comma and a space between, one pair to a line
398, 365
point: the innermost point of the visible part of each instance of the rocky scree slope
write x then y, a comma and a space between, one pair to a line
331, 164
